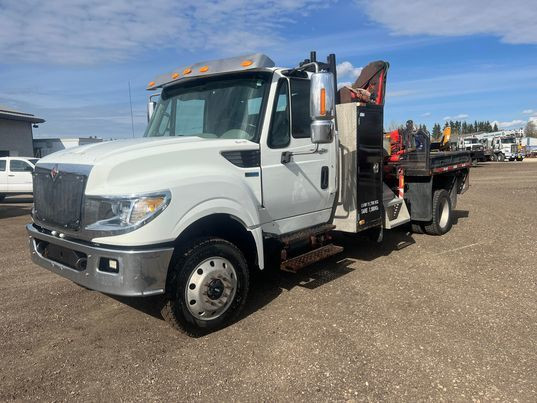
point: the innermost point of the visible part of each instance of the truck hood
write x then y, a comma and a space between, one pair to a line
95, 153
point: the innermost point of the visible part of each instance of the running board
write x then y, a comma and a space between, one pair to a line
296, 263
305, 233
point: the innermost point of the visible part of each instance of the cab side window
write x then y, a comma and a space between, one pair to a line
2, 165
19, 166
300, 104
279, 134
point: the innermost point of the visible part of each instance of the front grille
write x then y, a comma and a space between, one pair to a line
58, 195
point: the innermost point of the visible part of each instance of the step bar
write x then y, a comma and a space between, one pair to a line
296, 263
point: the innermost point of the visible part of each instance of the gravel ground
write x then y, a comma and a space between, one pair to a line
417, 317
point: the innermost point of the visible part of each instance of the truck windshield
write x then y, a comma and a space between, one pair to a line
222, 107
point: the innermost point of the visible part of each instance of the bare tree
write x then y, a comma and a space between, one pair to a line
531, 129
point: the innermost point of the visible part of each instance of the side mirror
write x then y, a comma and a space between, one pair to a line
322, 107
151, 106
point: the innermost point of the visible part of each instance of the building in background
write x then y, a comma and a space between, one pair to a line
16, 137
43, 146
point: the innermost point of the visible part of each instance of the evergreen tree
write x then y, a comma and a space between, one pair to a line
495, 128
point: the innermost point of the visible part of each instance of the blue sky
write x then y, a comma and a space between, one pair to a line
71, 61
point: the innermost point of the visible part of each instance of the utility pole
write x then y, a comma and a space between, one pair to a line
132, 116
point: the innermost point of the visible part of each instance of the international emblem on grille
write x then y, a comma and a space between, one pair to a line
54, 172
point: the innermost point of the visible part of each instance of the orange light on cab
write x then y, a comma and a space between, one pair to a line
323, 102
186, 71
246, 63
204, 69
175, 75
151, 83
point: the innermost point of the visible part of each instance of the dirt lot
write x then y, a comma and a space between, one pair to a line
417, 317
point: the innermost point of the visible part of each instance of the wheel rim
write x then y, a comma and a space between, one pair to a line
444, 214
211, 288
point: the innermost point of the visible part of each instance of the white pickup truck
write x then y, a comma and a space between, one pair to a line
241, 163
16, 176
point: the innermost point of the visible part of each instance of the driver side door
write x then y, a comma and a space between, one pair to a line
19, 177
299, 192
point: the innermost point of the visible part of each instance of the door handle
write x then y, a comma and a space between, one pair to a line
11, 175
324, 177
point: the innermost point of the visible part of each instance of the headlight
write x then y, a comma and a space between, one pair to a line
123, 214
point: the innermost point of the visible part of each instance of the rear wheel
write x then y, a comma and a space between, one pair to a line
417, 227
207, 286
501, 157
442, 214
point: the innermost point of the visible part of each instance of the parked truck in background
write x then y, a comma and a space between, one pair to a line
241, 163
474, 146
16, 176
506, 148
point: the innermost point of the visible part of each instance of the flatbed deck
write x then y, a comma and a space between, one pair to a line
437, 162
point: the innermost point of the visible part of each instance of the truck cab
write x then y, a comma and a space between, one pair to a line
241, 165
507, 148
475, 147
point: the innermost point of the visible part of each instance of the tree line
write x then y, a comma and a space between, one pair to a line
463, 127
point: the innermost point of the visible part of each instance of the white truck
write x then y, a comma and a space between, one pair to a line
475, 146
241, 163
16, 176
506, 148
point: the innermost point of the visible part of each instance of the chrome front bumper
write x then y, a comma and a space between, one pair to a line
140, 272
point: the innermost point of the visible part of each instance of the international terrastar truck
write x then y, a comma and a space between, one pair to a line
241, 162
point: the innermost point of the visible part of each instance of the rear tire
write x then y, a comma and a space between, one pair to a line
442, 214
501, 157
417, 228
207, 287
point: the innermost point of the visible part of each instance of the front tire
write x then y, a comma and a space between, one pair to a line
207, 287
442, 214
501, 157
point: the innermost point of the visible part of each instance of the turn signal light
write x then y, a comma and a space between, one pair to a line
323, 102
204, 69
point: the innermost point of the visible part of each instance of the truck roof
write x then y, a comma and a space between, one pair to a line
238, 63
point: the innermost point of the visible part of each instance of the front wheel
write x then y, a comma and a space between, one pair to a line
208, 285
501, 157
442, 214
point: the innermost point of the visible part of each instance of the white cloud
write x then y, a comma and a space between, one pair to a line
528, 111
347, 70
426, 114
461, 116
90, 31
512, 21
509, 124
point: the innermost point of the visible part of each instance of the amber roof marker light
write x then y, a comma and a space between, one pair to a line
186, 71
246, 63
204, 69
175, 75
